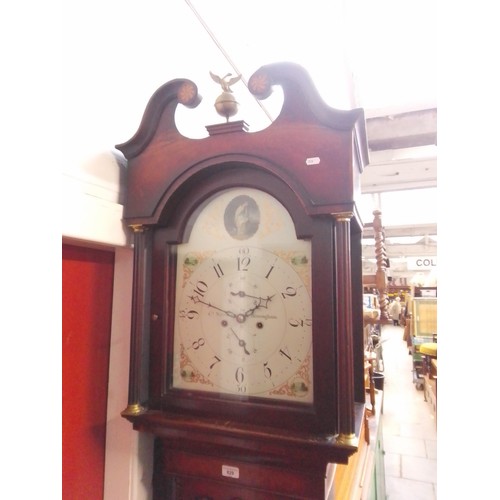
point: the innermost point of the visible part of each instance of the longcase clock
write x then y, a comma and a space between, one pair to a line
246, 343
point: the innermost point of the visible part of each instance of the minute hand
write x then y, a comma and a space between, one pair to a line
228, 313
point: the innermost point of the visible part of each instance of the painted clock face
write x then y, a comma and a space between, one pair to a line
243, 315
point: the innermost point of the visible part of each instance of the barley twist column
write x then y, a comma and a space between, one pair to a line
381, 256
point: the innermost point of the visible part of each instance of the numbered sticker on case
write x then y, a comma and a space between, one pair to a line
313, 161
228, 471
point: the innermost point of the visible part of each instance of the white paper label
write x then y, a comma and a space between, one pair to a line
313, 161
229, 471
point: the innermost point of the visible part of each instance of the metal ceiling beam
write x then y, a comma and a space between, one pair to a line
402, 251
404, 130
399, 231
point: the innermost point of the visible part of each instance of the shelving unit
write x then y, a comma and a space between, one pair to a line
424, 317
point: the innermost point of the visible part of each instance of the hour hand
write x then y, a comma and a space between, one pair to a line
260, 299
260, 302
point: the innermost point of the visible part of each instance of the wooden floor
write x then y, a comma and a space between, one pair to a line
409, 426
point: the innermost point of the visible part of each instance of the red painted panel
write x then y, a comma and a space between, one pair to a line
87, 288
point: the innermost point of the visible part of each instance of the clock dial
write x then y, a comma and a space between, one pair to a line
243, 306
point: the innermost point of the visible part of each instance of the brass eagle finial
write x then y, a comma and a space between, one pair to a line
226, 104
225, 82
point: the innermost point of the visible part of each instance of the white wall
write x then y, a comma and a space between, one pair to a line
112, 66
115, 55
92, 215
129, 454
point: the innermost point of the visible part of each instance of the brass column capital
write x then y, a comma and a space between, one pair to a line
137, 228
343, 216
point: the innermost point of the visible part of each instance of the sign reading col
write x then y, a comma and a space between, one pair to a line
421, 263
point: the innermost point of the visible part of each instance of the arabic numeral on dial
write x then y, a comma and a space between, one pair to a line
216, 360
244, 259
185, 314
239, 375
198, 343
199, 291
243, 263
267, 371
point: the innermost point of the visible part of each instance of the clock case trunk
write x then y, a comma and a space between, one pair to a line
168, 177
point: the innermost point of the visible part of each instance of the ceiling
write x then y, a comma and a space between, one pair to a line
403, 151
359, 53
378, 55
403, 156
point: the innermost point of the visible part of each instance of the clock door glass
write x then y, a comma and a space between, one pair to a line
243, 315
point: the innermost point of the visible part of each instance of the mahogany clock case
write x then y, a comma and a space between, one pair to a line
310, 160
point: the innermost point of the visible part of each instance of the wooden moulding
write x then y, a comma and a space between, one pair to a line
271, 446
